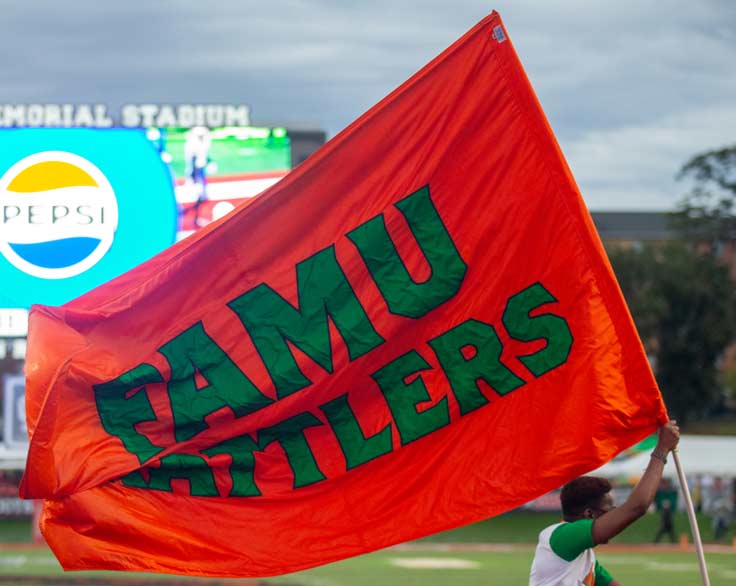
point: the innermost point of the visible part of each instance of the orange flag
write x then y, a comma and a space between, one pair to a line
414, 330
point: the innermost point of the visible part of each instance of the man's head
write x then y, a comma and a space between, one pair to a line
586, 497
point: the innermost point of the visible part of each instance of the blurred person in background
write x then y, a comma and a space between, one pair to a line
564, 554
197, 156
706, 489
666, 503
697, 492
720, 509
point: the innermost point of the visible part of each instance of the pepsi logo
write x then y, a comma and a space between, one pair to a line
58, 215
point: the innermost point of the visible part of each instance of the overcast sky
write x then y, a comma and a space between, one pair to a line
631, 88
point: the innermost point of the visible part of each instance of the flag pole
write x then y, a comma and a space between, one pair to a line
693, 520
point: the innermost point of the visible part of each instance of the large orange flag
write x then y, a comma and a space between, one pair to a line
416, 329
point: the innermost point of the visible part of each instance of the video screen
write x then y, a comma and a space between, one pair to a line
215, 169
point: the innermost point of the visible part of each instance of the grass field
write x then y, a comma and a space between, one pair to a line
398, 567
524, 527
497, 552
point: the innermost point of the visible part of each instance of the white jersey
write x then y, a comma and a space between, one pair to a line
553, 566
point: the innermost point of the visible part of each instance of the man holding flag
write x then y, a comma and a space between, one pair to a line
564, 554
398, 338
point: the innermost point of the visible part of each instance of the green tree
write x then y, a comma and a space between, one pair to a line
682, 303
635, 269
707, 213
707, 217
729, 382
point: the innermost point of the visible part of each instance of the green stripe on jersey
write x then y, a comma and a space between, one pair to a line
569, 540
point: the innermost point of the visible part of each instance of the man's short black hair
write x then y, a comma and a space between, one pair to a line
582, 493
